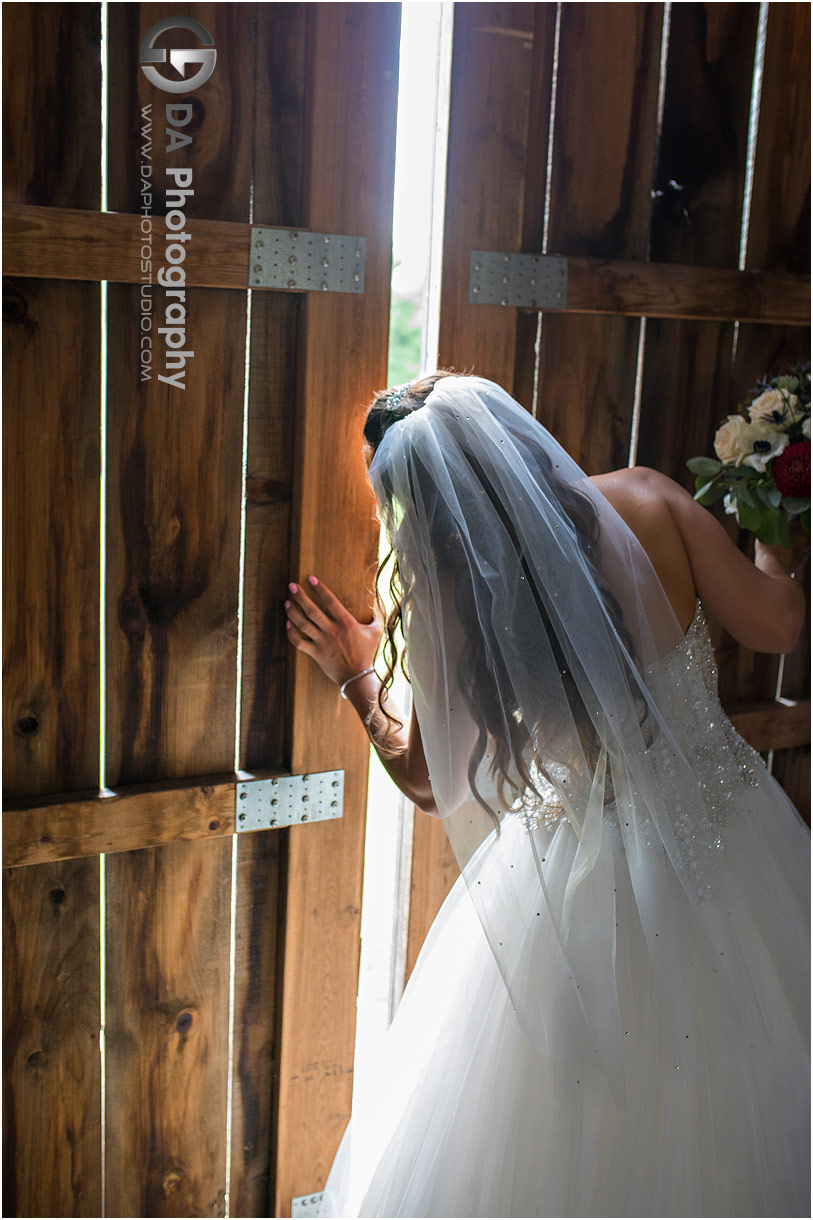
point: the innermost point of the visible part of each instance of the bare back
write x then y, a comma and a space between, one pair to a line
695, 557
646, 511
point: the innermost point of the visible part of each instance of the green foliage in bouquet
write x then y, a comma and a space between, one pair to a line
762, 468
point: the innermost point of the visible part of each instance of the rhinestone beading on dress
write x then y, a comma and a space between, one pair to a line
720, 760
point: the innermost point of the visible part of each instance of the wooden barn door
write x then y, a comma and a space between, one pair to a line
617, 136
224, 967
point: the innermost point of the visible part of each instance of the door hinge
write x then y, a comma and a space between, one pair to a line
298, 260
529, 281
289, 800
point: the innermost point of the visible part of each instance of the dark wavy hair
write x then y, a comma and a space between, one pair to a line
481, 686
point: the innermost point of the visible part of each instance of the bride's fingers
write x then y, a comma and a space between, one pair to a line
300, 619
299, 640
309, 607
329, 601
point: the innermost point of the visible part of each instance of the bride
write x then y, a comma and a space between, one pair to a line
609, 1014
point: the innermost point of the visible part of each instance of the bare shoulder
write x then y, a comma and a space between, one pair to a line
642, 498
639, 483
756, 609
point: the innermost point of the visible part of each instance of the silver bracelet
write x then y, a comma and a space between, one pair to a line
360, 674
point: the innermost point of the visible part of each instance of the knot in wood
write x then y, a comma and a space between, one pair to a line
184, 1022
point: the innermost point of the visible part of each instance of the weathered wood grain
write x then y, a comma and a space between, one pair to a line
166, 1030
76, 244
773, 726
221, 123
174, 455
352, 68
535, 190
173, 562
687, 375
52, 80
143, 815
602, 168
51, 980
173, 529
696, 219
52, 1138
779, 239
277, 331
485, 180
258, 972
51, 466
667, 290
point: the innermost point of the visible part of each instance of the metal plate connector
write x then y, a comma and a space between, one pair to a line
527, 281
289, 800
298, 260
307, 1205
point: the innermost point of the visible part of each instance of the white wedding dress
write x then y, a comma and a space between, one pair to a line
471, 1119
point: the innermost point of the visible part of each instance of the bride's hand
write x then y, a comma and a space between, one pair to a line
792, 559
322, 628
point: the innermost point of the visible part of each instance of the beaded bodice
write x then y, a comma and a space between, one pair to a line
686, 684
710, 739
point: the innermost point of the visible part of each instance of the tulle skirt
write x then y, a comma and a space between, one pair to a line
469, 1118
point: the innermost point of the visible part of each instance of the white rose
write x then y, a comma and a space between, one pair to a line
729, 503
764, 443
774, 407
806, 428
729, 440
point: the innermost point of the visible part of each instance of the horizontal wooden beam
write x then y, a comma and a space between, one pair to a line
141, 815
773, 726
68, 243
71, 244
675, 290
147, 815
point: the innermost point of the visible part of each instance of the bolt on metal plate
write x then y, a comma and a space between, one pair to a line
303, 261
529, 281
307, 1205
289, 800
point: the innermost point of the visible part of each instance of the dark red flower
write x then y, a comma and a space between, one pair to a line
791, 469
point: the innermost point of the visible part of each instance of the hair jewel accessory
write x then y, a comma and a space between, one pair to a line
395, 396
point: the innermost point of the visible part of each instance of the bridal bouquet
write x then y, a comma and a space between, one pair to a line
762, 468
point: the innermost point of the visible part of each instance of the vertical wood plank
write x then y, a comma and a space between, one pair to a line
687, 385
166, 1030
52, 1140
352, 72
51, 1018
259, 922
700, 182
51, 468
221, 126
277, 329
51, 104
173, 529
174, 507
535, 192
51, 92
485, 179
603, 150
779, 239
